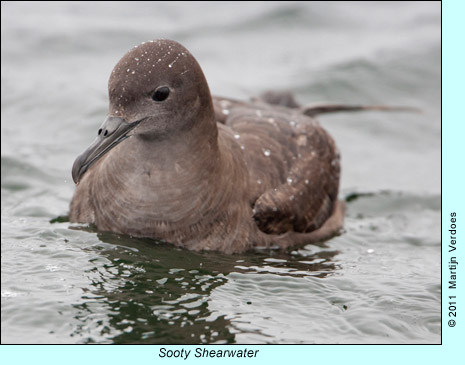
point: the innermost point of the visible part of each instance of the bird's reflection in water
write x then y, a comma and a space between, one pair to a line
150, 292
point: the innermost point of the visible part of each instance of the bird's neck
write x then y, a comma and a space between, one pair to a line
184, 168
189, 152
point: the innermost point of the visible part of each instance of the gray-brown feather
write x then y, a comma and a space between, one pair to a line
293, 164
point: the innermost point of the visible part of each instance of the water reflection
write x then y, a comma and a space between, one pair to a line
150, 292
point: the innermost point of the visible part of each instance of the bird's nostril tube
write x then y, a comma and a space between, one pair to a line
100, 131
106, 132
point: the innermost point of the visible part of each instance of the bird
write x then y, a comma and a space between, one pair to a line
206, 173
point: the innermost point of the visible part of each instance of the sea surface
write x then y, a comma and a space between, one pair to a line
378, 282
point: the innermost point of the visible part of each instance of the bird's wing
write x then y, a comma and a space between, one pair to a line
293, 166
306, 199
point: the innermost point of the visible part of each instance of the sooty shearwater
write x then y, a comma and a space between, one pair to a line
173, 163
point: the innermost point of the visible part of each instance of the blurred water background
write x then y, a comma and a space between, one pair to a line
379, 282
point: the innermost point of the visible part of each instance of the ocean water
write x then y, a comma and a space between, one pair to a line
378, 282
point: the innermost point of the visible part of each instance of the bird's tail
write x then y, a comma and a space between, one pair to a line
316, 109
287, 99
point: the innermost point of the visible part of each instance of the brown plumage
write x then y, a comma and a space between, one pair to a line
205, 173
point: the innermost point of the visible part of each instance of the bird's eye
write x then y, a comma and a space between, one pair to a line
161, 93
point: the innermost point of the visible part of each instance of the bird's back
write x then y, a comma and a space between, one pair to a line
292, 161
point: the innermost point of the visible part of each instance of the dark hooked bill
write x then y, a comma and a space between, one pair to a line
113, 131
